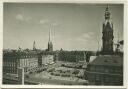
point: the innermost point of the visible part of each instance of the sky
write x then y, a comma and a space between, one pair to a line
74, 26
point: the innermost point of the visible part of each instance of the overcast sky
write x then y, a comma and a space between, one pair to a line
74, 26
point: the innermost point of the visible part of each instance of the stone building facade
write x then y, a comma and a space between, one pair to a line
106, 70
17, 59
73, 56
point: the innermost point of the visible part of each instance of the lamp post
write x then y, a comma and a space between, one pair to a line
21, 76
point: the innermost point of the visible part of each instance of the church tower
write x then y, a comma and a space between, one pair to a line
107, 37
50, 45
34, 45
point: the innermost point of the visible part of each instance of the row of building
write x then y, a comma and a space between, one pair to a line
31, 61
34, 60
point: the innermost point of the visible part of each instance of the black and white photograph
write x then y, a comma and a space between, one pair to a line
63, 44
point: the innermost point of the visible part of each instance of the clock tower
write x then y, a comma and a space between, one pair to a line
107, 34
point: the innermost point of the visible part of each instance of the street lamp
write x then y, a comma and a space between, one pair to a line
21, 75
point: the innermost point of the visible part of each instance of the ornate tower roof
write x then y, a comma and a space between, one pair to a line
107, 22
107, 13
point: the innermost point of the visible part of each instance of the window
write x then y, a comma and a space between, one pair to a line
97, 77
106, 70
106, 78
115, 61
105, 60
92, 68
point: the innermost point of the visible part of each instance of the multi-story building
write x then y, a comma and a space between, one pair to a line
45, 58
106, 70
10, 62
73, 56
20, 59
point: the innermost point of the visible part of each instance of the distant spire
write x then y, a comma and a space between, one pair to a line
84, 56
50, 45
107, 7
34, 45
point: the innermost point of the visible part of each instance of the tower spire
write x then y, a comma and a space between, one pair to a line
107, 13
107, 37
34, 45
50, 45
107, 7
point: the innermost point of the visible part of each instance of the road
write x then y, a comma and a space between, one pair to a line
45, 78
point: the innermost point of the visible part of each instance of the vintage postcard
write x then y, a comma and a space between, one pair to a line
69, 44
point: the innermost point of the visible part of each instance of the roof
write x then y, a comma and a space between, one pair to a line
19, 54
121, 42
92, 58
110, 60
108, 22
